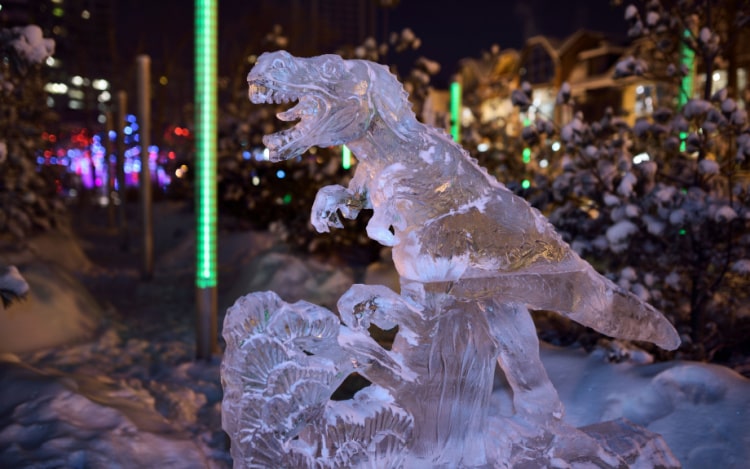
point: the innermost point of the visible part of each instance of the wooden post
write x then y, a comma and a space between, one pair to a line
144, 121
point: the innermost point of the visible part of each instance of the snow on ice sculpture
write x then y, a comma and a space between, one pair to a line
472, 257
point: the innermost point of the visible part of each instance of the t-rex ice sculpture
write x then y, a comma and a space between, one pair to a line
473, 258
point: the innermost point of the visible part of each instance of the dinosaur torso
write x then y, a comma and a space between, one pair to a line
445, 217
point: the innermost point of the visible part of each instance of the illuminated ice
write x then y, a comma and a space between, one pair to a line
473, 259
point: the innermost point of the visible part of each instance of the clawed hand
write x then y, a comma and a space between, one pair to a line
331, 200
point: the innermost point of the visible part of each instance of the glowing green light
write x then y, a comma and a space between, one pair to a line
683, 141
526, 151
206, 140
57, 11
683, 232
287, 199
525, 184
686, 85
456, 111
346, 157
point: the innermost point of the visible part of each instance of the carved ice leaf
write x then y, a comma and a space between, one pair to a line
378, 426
261, 356
305, 326
287, 375
248, 316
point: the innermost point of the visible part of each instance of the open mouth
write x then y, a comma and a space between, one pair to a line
304, 111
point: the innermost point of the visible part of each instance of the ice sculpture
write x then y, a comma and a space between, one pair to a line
473, 258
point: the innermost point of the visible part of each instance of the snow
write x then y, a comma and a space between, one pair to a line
725, 213
741, 266
618, 234
58, 310
709, 167
126, 392
699, 409
31, 44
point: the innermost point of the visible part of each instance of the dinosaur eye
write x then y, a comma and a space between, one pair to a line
277, 64
331, 68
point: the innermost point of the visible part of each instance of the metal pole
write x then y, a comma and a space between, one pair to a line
122, 104
110, 183
144, 122
206, 47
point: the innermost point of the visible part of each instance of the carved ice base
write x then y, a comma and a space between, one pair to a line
429, 404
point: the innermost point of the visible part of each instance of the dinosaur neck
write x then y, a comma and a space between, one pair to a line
383, 145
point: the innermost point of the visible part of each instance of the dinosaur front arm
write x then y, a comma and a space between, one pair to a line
330, 200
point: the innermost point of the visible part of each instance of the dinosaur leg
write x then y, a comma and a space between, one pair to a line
534, 397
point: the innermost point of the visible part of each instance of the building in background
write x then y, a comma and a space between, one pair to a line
587, 61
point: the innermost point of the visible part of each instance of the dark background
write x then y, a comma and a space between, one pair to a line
450, 29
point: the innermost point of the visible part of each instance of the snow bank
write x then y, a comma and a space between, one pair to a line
53, 420
57, 311
293, 279
701, 410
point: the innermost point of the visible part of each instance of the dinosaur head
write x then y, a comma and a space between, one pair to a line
331, 94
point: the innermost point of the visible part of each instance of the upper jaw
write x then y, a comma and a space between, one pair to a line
261, 92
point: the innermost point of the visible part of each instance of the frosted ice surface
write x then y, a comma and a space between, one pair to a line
473, 258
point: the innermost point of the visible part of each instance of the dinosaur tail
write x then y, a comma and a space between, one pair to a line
607, 308
584, 296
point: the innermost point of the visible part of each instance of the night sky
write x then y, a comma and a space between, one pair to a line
450, 29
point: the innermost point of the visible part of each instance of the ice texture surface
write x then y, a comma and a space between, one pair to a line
473, 259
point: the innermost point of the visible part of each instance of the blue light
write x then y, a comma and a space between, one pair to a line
128, 130
40, 160
280, 174
53, 160
134, 126
246, 155
130, 118
112, 135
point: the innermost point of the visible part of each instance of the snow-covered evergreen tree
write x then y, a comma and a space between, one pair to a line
664, 206
27, 200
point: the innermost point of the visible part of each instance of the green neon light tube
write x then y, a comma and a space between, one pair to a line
206, 12
686, 85
346, 157
456, 111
